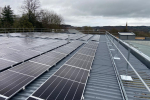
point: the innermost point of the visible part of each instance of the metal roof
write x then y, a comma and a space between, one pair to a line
103, 82
126, 33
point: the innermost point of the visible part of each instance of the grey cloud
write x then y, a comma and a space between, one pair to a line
106, 8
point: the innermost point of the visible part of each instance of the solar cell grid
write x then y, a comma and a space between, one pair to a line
74, 74
86, 51
57, 88
46, 60
43, 48
83, 57
30, 53
64, 50
30, 68
19, 47
16, 57
79, 63
91, 46
55, 54
5, 64
6, 51
12, 82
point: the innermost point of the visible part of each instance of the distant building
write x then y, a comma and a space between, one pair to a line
126, 35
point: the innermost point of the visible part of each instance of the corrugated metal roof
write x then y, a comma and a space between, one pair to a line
102, 83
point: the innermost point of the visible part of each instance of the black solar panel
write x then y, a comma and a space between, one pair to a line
91, 46
57, 88
11, 82
64, 50
83, 57
16, 57
46, 60
6, 51
5, 64
30, 53
72, 73
44, 48
19, 47
55, 55
87, 51
80, 63
30, 68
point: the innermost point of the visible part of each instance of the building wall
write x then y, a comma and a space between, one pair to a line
127, 37
123, 37
131, 37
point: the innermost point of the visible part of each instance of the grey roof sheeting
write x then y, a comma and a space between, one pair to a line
102, 83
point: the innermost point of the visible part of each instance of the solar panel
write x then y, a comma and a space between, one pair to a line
87, 51
64, 50
83, 57
43, 48
16, 57
79, 63
46, 60
30, 53
6, 51
19, 47
12, 82
72, 73
90, 46
57, 88
30, 68
95, 38
55, 54
5, 64
86, 37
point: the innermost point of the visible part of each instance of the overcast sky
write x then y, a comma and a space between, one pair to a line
94, 12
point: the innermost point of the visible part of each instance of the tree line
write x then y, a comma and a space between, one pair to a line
32, 17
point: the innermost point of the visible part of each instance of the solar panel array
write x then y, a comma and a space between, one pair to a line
95, 38
77, 36
86, 37
16, 78
68, 83
12, 53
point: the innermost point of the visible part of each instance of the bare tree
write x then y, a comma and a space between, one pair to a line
30, 6
50, 19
